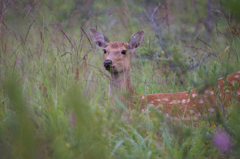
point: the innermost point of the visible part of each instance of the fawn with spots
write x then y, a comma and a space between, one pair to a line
185, 105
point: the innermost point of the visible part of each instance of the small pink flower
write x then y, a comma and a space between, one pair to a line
222, 140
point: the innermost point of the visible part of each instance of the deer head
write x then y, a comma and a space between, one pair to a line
117, 54
117, 57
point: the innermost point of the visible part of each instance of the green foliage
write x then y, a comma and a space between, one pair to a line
233, 7
54, 92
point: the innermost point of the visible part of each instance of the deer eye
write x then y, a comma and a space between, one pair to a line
104, 51
124, 52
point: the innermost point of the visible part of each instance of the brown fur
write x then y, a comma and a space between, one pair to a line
188, 105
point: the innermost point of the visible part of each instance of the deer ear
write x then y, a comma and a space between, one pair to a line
99, 39
136, 40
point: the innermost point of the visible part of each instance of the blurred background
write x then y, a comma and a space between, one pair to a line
50, 67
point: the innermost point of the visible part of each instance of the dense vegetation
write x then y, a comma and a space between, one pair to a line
50, 67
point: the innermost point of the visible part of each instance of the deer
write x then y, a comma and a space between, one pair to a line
184, 106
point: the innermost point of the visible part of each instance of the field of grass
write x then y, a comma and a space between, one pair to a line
50, 69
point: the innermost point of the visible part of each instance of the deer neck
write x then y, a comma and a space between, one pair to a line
121, 82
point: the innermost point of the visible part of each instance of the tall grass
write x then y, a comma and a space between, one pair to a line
50, 67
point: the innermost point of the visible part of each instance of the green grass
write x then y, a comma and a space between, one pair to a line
50, 69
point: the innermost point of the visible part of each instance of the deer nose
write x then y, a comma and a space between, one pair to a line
107, 63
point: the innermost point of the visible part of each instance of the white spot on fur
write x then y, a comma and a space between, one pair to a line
220, 78
143, 97
159, 100
179, 101
174, 102
236, 76
183, 101
227, 91
166, 99
201, 101
188, 100
212, 93
167, 115
194, 95
152, 102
